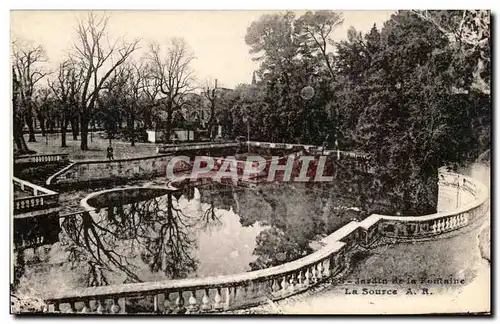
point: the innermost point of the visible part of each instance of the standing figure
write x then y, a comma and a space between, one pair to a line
110, 153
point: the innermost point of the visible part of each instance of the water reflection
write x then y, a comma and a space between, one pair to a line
119, 238
211, 230
293, 216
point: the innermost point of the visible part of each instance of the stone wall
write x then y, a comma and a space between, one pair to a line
86, 172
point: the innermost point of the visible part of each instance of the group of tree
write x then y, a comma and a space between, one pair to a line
102, 83
414, 94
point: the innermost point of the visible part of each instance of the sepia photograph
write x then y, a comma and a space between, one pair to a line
250, 162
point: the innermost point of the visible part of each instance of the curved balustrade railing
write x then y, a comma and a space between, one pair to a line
216, 294
39, 197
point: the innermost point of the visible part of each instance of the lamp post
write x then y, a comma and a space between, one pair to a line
458, 191
247, 121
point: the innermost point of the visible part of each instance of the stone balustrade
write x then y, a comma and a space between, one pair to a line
209, 294
40, 159
171, 148
309, 148
217, 294
40, 197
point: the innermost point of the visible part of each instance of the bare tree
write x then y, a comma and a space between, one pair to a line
124, 94
28, 72
210, 93
150, 90
42, 106
66, 89
98, 58
173, 75
133, 105
18, 117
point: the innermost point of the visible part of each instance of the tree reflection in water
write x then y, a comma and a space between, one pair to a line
293, 216
110, 241
157, 233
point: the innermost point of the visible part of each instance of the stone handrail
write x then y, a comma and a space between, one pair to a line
40, 158
308, 148
40, 197
198, 146
256, 287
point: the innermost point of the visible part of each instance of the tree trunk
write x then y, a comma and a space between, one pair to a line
130, 126
74, 128
22, 148
64, 124
29, 121
84, 130
168, 129
42, 125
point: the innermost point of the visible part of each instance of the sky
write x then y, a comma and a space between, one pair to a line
215, 37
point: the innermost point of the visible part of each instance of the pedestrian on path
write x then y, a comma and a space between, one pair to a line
110, 153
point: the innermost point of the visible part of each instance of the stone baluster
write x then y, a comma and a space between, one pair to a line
57, 307
205, 301
307, 277
179, 304
255, 288
115, 307
86, 307
235, 292
101, 308
326, 267
168, 305
71, 309
228, 297
292, 282
193, 303
244, 290
274, 287
156, 308
284, 284
300, 276
319, 271
313, 278
218, 300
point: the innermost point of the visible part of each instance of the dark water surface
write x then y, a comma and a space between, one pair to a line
205, 231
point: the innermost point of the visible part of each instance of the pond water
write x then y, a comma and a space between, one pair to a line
196, 232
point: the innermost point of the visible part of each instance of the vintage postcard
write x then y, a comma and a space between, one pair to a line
250, 162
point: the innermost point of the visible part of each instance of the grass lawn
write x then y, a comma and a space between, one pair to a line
97, 147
